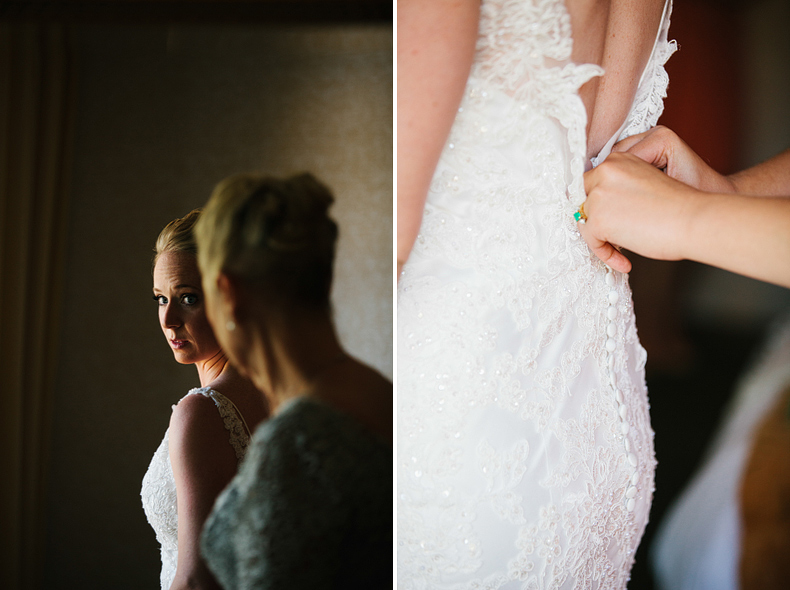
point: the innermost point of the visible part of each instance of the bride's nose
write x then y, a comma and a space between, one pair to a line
171, 316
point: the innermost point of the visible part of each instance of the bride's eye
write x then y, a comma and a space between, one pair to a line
189, 299
160, 299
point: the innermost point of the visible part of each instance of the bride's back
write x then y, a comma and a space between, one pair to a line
619, 36
522, 465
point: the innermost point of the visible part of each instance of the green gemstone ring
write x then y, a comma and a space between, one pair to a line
580, 216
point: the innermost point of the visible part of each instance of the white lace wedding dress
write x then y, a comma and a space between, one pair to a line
525, 453
159, 487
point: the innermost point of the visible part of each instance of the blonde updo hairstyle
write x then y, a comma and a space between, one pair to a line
178, 236
273, 234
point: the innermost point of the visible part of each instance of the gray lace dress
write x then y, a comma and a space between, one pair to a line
311, 507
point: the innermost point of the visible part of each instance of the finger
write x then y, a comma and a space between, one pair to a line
608, 254
605, 251
607, 175
652, 150
629, 142
591, 181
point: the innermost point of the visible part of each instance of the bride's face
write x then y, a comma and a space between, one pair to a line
182, 312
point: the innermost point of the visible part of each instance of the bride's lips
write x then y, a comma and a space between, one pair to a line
177, 344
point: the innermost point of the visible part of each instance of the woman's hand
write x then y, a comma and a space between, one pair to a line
644, 233
662, 148
634, 205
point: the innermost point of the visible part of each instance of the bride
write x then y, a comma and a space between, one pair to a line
210, 428
525, 452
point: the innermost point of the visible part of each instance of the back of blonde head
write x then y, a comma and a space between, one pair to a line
272, 233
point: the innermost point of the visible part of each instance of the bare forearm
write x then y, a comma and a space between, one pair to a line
771, 178
746, 235
436, 41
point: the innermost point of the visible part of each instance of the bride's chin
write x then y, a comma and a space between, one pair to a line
183, 359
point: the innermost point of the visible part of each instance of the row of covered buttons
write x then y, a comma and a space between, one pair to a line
611, 345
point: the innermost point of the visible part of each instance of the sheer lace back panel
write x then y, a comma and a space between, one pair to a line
525, 452
159, 488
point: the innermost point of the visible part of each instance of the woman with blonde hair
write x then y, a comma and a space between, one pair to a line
209, 431
312, 503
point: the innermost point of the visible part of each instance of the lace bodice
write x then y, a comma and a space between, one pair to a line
311, 507
159, 487
523, 51
525, 453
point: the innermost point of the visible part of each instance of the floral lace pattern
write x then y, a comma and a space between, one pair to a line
525, 453
159, 487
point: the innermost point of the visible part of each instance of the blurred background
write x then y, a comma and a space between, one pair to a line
728, 97
117, 116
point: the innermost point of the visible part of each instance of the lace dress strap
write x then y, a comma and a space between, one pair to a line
241, 417
233, 419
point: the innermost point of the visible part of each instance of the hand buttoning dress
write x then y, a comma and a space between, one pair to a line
159, 487
525, 452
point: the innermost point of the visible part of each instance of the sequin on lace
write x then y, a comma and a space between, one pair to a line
525, 453
159, 487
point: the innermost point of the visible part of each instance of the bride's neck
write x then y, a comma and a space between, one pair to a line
212, 368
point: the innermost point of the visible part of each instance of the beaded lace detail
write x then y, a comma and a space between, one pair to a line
159, 487
525, 453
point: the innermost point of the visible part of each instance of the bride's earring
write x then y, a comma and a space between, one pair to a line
230, 325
